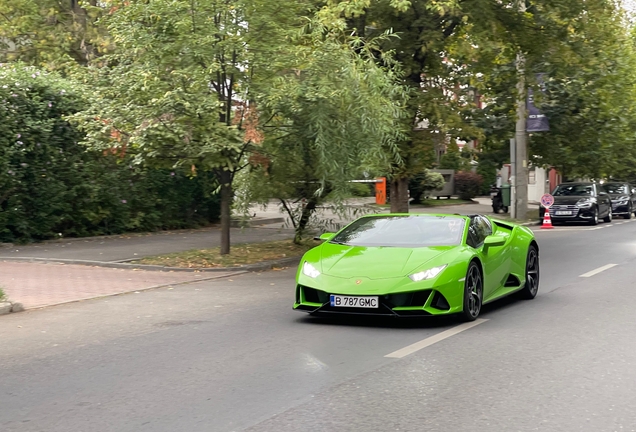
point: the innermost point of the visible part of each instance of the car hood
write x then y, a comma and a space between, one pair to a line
376, 262
569, 200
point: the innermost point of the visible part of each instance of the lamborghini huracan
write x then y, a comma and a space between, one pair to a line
413, 265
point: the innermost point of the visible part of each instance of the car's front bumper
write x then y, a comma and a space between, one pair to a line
569, 214
618, 210
421, 303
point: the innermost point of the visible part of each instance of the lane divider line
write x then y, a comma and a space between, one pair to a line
598, 270
403, 352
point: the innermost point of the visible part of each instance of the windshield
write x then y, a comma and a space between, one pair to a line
574, 189
403, 231
616, 188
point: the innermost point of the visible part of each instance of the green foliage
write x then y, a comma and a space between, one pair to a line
426, 181
467, 184
336, 108
49, 33
361, 189
52, 186
487, 169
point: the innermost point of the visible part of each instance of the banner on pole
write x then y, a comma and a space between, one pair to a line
537, 121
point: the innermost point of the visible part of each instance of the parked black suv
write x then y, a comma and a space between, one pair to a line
623, 198
580, 202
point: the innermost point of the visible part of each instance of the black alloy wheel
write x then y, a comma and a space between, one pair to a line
473, 293
531, 287
594, 220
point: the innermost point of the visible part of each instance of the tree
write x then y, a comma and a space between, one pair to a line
188, 102
336, 109
53, 34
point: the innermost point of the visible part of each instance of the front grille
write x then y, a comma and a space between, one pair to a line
440, 302
560, 207
412, 299
312, 295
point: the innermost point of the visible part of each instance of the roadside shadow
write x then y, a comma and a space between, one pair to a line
379, 321
488, 311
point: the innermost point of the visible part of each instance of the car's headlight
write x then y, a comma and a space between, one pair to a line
427, 274
585, 202
309, 270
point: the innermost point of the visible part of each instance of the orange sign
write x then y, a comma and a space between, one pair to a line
380, 190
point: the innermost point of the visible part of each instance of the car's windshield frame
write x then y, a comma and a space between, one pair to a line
386, 235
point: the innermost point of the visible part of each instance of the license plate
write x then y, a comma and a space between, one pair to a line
563, 213
354, 301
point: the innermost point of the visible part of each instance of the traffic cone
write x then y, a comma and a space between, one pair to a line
547, 221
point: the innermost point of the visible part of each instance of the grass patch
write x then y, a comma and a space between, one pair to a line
240, 254
444, 202
2, 295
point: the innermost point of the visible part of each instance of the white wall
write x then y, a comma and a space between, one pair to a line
537, 184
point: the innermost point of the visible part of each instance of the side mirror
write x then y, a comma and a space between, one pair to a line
493, 240
325, 236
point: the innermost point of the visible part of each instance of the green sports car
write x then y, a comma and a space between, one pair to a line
407, 265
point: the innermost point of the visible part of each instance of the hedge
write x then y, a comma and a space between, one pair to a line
52, 187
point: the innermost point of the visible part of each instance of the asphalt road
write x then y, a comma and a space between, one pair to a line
231, 355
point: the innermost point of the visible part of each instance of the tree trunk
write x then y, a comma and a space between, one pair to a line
304, 219
399, 195
226, 205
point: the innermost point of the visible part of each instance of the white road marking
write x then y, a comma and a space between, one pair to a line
598, 270
403, 352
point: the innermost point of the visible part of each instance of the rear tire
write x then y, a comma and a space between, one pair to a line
608, 218
531, 286
473, 293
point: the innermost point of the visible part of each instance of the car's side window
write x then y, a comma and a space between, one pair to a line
478, 230
599, 190
473, 237
484, 228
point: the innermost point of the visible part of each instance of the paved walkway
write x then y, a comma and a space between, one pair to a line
42, 284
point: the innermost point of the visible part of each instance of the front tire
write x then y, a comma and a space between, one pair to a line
594, 220
473, 293
531, 286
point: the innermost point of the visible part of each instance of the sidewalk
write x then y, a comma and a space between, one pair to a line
38, 284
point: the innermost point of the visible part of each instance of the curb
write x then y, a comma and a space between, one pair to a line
262, 266
7, 307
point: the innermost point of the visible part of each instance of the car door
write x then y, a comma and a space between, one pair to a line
495, 260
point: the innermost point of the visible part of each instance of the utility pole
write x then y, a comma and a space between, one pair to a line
520, 204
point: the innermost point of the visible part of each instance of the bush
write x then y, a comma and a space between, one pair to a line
424, 182
488, 171
361, 189
467, 184
51, 186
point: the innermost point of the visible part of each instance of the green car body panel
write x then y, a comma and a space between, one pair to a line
384, 271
